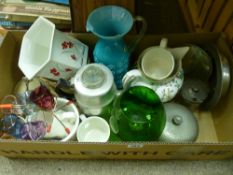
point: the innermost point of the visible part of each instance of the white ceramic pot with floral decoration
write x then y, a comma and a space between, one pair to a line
166, 88
49, 53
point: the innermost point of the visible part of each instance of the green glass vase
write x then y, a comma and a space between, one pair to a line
138, 115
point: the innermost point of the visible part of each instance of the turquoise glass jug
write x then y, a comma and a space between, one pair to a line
110, 24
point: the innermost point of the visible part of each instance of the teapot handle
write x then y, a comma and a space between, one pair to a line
140, 34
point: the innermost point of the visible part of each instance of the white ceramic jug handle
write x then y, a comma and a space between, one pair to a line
163, 43
140, 34
129, 77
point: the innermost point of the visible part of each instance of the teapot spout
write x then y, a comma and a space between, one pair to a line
179, 52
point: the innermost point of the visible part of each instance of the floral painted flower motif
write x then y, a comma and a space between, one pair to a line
64, 45
56, 74
67, 44
54, 71
73, 57
168, 91
70, 44
68, 69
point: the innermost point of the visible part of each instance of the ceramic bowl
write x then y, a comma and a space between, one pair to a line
68, 108
181, 124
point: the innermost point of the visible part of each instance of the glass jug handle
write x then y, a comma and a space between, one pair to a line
113, 120
140, 34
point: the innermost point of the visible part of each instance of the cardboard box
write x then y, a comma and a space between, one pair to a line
215, 140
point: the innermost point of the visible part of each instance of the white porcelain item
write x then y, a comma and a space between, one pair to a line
181, 124
93, 129
166, 91
157, 62
66, 117
49, 53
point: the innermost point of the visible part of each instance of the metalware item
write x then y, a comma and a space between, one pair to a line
95, 89
197, 64
194, 91
220, 78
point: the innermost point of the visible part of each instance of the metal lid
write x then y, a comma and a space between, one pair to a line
93, 77
94, 85
181, 125
194, 91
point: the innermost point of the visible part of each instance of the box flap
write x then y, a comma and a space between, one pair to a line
9, 50
43, 149
3, 33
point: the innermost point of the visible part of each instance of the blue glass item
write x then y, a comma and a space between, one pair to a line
12, 125
110, 24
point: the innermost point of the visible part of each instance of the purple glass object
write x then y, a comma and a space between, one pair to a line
33, 130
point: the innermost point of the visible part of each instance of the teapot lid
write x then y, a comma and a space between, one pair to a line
194, 91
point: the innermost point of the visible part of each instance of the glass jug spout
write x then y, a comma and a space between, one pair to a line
109, 22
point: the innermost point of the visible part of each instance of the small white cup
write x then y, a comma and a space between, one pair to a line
157, 62
93, 129
49, 53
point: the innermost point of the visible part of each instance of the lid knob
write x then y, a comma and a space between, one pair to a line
93, 77
177, 120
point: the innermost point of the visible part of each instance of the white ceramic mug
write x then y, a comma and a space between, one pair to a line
157, 62
93, 129
49, 53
